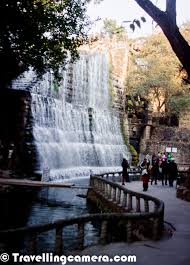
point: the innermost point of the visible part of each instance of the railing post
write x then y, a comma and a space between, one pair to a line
118, 196
33, 244
94, 182
113, 177
114, 194
124, 202
102, 187
129, 231
155, 228
106, 191
138, 204
109, 191
91, 182
103, 233
58, 241
97, 184
81, 235
129, 206
146, 206
156, 207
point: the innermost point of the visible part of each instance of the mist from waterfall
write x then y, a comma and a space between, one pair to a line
74, 128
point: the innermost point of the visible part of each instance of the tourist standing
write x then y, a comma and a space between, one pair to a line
125, 174
172, 171
145, 164
155, 171
154, 158
145, 179
164, 166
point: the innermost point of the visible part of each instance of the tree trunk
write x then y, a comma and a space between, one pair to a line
180, 47
167, 22
171, 11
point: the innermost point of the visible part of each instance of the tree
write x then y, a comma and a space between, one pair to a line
167, 21
39, 34
111, 27
153, 74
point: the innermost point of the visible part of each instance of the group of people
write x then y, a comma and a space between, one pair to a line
159, 167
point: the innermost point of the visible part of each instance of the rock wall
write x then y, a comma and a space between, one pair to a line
184, 120
119, 53
162, 137
17, 152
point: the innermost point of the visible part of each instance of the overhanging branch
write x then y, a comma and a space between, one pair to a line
152, 10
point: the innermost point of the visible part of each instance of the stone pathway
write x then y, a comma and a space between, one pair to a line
172, 251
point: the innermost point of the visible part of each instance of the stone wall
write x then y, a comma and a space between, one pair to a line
17, 151
162, 137
184, 120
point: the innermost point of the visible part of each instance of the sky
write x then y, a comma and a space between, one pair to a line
122, 10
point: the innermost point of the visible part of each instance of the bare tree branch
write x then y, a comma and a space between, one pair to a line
152, 10
167, 21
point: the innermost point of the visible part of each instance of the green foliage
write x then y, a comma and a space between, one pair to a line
123, 133
110, 84
111, 27
154, 70
179, 103
134, 154
131, 147
40, 34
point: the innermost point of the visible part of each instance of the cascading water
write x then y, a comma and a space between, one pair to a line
75, 131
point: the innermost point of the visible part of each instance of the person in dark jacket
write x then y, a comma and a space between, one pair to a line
172, 172
125, 174
155, 171
164, 167
145, 164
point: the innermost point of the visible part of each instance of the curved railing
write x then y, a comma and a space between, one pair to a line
134, 174
113, 192
123, 197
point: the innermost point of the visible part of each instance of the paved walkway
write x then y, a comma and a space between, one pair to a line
172, 251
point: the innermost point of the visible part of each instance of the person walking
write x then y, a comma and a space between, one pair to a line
125, 174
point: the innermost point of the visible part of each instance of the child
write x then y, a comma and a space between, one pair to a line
145, 179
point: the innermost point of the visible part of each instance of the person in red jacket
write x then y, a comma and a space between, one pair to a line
145, 179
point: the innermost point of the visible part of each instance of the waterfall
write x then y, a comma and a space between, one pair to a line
75, 130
